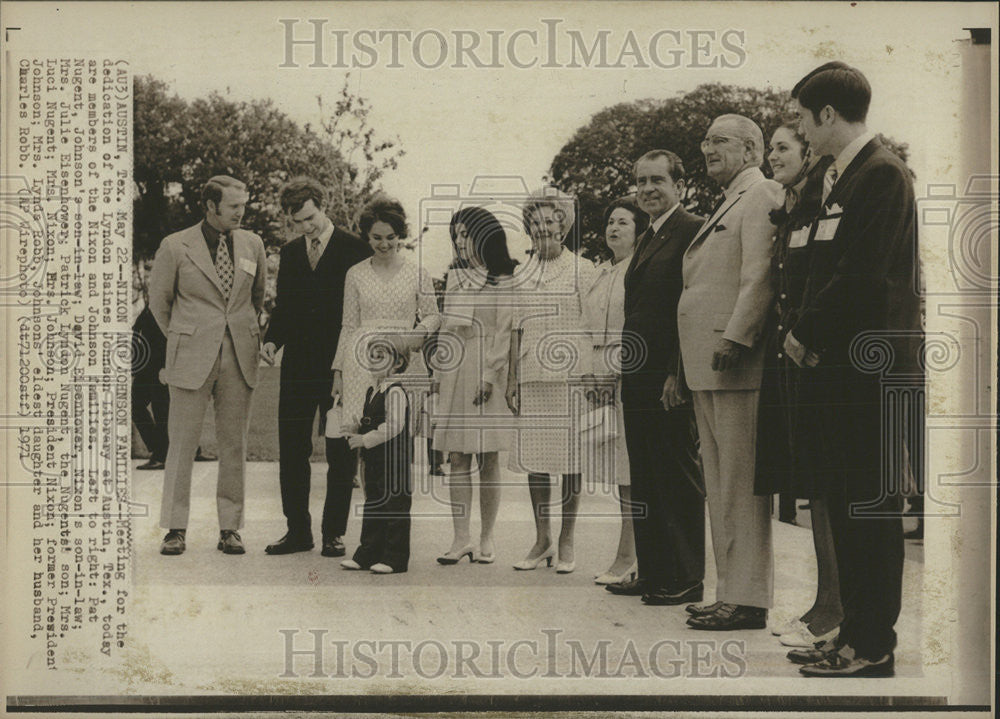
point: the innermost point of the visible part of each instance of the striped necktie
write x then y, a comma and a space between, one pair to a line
314, 253
829, 180
224, 266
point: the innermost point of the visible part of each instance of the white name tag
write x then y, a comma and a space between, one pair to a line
826, 229
248, 266
798, 238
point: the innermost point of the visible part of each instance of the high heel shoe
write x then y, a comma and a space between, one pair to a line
482, 558
545, 556
609, 578
449, 558
565, 567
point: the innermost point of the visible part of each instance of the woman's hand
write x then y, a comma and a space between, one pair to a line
513, 397
337, 389
483, 395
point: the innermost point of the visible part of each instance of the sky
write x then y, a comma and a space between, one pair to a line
459, 123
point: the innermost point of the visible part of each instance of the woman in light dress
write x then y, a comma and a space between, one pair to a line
549, 354
604, 310
386, 294
470, 372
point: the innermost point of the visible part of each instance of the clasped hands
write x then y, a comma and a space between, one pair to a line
798, 352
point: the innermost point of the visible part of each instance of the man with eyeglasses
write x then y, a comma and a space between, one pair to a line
726, 296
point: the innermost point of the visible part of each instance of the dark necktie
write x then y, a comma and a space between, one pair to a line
314, 253
224, 266
829, 180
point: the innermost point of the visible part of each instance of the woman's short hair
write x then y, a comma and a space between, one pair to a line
563, 204
489, 241
629, 203
383, 209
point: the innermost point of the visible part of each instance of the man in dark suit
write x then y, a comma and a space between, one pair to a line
308, 308
206, 292
861, 287
668, 505
150, 397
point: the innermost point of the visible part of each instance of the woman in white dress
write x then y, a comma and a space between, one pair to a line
387, 293
549, 354
475, 334
604, 310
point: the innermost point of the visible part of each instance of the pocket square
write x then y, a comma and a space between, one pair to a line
719, 228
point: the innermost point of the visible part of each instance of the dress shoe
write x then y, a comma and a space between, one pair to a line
730, 617
333, 547
449, 558
700, 610
350, 564
290, 544
818, 652
151, 464
199, 457
673, 597
173, 543
631, 588
230, 542
845, 664
380, 568
786, 626
609, 578
527, 563
802, 638
565, 567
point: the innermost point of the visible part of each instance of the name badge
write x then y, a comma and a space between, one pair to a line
798, 238
248, 266
826, 229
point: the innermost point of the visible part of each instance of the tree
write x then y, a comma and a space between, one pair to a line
596, 164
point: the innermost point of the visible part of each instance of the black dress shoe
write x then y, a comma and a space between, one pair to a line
173, 543
151, 464
672, 597
199, 457
730, 617
818, 653
631, 588
289, 544
333, 547
699, 610
841, 664
230, 542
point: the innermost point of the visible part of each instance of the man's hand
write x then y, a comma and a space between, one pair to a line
673, 394
484, 394
728, 355
268, 351
354, 440
798, 353
160, 374
513, 398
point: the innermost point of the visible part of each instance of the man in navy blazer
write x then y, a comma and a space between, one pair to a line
862, 288
308, 309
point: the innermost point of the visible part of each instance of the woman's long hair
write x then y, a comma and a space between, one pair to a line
489, 241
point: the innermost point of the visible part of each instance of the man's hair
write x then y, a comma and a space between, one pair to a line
748, 131
383, 209
214, 187
838, 85
298, 192
674, 165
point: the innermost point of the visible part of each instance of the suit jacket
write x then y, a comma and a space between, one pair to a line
149, 348
309, 304
727, 286
186, 299
652, 290
862, 271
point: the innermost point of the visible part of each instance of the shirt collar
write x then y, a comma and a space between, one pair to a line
211, 234
744, 178
656, 224
324, 237
847, 155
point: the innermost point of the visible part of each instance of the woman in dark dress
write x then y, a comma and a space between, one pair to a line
782, 459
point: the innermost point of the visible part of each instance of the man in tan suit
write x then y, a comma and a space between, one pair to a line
206, 291
726, 295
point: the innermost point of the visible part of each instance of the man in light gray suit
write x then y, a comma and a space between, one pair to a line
726, 296
206, 292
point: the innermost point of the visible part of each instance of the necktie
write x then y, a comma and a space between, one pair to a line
644, 239
829, 180
314, 252
224, 266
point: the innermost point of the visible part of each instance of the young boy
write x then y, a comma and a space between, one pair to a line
387, 449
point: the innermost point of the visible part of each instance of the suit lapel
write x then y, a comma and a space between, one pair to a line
845, 179
716, 219
198, 252
241, 252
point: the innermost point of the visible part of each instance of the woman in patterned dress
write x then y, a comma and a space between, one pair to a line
385, 294
475, 330
604, 309
549, 356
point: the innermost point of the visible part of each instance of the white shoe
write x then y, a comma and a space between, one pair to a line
545, 556
787, 626
380, 568
349, 564
565, 567
803, 638
609, 578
